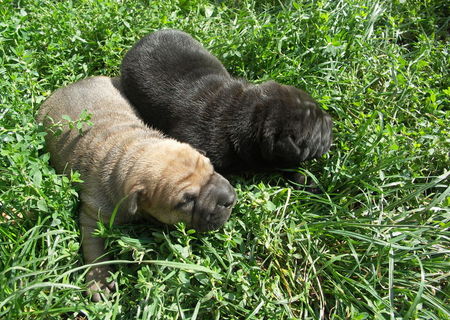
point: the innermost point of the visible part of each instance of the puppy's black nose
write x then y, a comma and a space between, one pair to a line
214, 204
226, 196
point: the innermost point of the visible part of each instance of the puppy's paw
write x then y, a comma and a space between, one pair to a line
98, 285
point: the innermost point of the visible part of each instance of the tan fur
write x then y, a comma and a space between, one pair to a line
120, 159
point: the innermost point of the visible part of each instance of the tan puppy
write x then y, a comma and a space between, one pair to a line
122, 161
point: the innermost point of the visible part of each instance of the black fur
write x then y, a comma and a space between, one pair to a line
177, 86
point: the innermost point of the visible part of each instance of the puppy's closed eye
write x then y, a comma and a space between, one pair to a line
228, 204
187, 202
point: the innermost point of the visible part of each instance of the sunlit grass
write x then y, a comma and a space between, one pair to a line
374, 244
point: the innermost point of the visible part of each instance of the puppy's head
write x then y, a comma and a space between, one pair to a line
291, 126
180, 185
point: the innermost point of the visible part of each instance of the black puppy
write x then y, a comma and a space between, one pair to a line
177, 86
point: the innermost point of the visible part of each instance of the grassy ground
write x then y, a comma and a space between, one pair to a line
374, 245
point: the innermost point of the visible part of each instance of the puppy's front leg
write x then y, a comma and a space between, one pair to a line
93, 251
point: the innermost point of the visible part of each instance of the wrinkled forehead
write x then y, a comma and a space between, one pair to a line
287, 96
189, 169
298, 96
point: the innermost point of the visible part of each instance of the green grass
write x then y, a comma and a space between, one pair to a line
374, 245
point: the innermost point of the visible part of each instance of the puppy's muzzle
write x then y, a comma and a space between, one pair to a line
298, 146
214, 204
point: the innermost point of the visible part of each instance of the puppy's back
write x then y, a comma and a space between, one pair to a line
163, 71
94, 95
170, 56
114, 122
